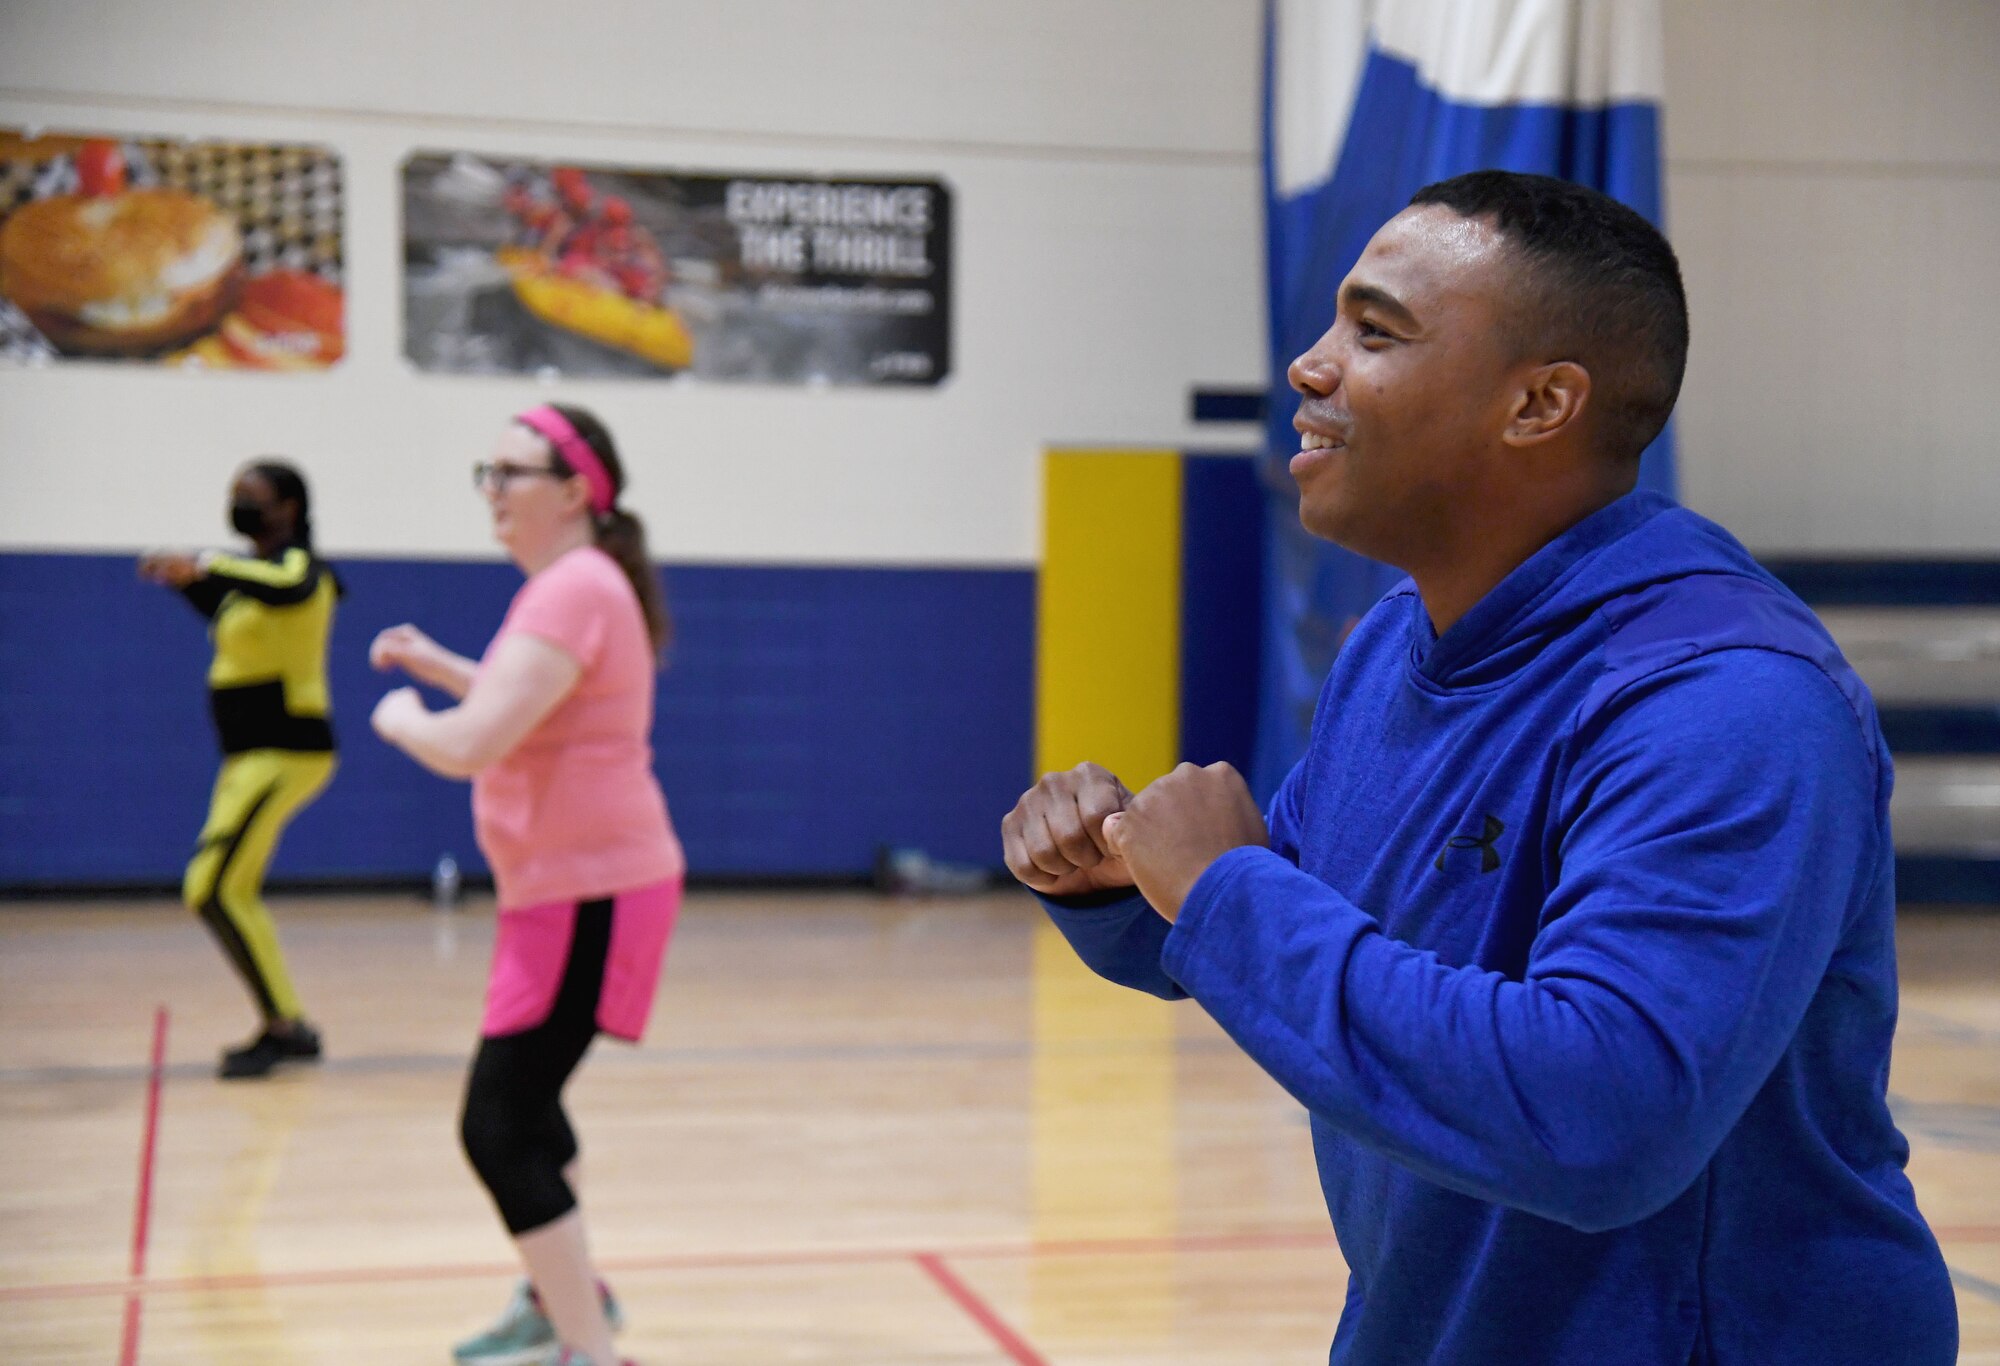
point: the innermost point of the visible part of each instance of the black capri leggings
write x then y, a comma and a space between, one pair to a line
513, 1126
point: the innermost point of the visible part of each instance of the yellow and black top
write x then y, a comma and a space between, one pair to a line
270, 619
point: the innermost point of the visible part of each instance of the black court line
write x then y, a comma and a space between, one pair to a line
398, 1063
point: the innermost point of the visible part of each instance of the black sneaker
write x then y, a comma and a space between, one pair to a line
267, 1050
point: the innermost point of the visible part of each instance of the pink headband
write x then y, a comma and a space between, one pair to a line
576, 453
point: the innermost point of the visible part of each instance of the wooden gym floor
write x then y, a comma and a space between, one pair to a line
861, 1131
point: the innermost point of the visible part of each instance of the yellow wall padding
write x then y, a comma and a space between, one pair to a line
1107, 671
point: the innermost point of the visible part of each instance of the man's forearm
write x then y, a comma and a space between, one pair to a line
1118, 937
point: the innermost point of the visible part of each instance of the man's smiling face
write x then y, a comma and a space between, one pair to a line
1406, 394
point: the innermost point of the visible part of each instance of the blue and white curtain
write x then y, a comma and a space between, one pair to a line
1366, 102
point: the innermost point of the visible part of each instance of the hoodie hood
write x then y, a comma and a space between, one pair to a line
1641, 540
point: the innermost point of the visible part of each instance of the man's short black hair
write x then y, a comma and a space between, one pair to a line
1602, 288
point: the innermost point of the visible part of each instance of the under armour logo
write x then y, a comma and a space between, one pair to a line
1489, 857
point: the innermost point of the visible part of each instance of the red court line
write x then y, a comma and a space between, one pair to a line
142, 1201
1248, 1240
981, 1313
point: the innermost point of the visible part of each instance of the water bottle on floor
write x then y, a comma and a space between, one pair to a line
445, 884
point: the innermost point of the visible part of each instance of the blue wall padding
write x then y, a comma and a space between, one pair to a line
1222, 602
810, 714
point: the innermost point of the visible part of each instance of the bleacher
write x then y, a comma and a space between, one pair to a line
1925, 636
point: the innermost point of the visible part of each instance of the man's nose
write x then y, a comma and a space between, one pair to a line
1315, 371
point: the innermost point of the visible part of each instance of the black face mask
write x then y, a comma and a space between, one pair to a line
248, 518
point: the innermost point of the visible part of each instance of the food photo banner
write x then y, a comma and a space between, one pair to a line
218, 255
529, 267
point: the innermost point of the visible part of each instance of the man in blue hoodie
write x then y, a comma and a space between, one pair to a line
1574, 928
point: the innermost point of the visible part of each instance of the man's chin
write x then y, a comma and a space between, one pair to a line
1334, 524
1350, 529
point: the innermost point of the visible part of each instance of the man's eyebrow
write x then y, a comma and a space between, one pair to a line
1354, 296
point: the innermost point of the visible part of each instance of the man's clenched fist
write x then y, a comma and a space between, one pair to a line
1054, 836
1169, 834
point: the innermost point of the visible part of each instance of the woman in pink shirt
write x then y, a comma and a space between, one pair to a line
553, 728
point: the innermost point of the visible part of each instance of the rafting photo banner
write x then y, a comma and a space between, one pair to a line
530, 267
213, 255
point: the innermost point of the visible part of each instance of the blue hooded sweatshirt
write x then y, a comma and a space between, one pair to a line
1576, 939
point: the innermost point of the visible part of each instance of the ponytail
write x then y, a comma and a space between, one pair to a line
618, 533
622, 536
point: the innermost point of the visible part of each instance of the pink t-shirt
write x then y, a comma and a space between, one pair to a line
574, 813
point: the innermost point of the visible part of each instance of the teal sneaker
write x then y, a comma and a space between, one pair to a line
523, 1335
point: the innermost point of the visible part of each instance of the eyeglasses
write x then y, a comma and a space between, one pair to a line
489, 473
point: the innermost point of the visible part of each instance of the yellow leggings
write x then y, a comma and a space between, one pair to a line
256, 795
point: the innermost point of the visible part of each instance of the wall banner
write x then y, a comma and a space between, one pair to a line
526, 267
221, 255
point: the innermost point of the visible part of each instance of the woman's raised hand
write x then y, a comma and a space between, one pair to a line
399, 647
172, 568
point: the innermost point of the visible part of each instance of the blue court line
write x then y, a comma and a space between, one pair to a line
1950, 1124
1978, 1285
1946, 1028
1967, 1127
391, 1063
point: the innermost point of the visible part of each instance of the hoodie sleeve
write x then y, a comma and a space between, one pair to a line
1719, 819
290, 579
1119, 936
205, 595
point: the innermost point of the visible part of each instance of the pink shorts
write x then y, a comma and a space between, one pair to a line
531, 949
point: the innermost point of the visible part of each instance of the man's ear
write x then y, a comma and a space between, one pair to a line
1551, 401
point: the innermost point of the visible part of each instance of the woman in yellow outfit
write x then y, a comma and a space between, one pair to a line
270, 614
